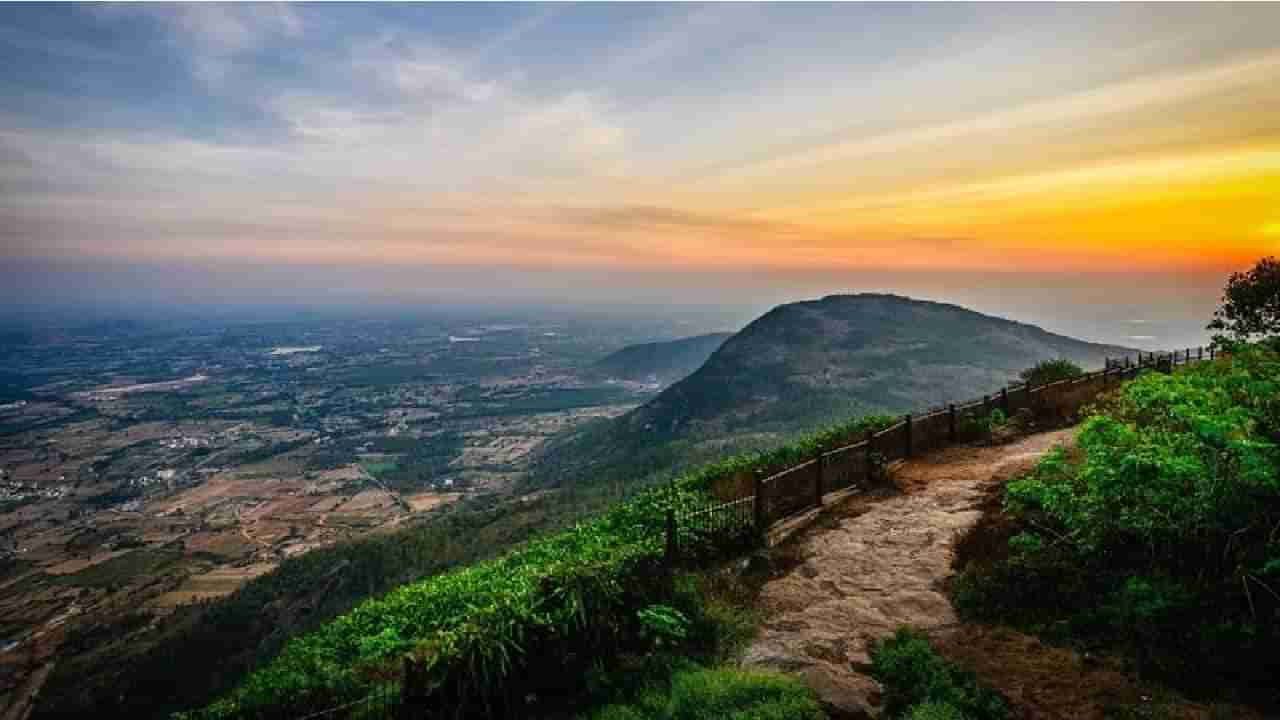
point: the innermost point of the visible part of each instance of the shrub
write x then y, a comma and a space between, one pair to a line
983, 426
721, 694
917, 679
1050, 371
936, 711
1159, 532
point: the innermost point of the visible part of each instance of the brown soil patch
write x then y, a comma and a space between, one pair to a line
430, 500
213, 584
1052, 683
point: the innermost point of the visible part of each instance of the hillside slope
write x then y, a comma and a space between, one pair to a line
807, 363
663, 362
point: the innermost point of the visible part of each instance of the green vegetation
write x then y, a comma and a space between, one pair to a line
721, 693
537, 401
983, 426
920, 684
804, 365
1250, 303
499, 629
418, 461
120, 570
379, 468
1050, 371
489, 632
670, 360
1160, 532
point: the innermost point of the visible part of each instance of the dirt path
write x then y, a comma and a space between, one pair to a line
873, 565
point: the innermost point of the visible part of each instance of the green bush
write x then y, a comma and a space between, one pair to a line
721, 694
917, 679
1159, 532
983, 426
936, 711
1050, 371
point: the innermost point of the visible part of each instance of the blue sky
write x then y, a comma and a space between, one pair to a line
664, 141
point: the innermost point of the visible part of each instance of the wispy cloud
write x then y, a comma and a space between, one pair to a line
695, 136
1110, 100
216, 35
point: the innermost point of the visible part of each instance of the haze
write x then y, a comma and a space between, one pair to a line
1096, 169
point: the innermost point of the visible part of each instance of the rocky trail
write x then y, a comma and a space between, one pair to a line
876, 562
873, 562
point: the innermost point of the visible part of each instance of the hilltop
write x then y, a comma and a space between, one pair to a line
807, 363
661, 362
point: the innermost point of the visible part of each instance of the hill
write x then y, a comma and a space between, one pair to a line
663, 362
808, 363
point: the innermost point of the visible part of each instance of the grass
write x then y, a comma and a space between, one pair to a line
920, 684
724, 693
379, 468
486, 632
120, 570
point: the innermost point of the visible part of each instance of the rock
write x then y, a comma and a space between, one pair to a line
844, 695
872, 572
757, 564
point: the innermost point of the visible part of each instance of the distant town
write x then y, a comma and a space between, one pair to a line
144, 468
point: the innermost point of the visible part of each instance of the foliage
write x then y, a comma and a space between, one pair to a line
983, 426
662, 625
721, 693
920, 683
485, 631
1050, 371
1161, 530
1250, 303
936, 711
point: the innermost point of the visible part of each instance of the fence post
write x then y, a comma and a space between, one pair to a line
1212, 350
867, 466
951, 423
672, 549
1200, 353
907, 448
1004, 400
412, 693
819, 481
759, 503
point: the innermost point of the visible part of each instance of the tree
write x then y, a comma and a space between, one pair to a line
1250, 303
1043, 373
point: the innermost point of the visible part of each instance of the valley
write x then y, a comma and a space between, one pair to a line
148, 469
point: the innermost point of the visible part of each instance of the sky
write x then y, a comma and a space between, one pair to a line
1123, 154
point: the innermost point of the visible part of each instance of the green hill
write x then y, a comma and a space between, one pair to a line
663, 362
805, 364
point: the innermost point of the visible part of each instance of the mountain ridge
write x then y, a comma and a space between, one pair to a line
662, 361
804, 364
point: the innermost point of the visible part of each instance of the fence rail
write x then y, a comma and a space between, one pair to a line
860, 465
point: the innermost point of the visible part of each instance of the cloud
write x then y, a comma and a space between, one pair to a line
216, 35
1117, 98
